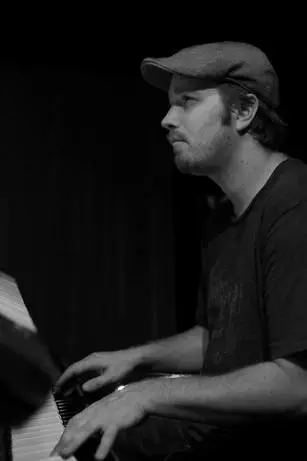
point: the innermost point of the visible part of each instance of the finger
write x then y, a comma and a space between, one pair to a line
67, 447
74, 370
96, 383
106, 442
76, 432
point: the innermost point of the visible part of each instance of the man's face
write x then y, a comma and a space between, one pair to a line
202, 142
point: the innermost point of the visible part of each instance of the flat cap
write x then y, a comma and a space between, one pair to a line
237, 62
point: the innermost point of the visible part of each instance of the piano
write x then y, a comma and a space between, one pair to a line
34, 440
35, 436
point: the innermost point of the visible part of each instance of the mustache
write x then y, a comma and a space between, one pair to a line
173, 137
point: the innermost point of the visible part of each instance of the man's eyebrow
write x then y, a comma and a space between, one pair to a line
178, 96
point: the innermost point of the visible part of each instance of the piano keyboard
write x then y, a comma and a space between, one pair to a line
37, 436
35, 440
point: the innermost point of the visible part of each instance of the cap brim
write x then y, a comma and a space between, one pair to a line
156, 74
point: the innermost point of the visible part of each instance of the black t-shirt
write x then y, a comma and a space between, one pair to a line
253, 291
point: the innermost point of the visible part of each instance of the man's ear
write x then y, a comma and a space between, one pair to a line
244, 116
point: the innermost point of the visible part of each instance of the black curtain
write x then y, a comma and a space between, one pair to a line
87, 208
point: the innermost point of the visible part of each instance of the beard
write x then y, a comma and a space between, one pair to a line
207, 157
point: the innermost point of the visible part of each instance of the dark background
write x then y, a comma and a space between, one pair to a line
99, 229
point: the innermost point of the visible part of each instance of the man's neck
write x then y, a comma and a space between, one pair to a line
248, 172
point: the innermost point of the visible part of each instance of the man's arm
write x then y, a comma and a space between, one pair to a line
266, 389
183, 352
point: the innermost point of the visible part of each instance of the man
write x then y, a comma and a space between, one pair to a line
250, 337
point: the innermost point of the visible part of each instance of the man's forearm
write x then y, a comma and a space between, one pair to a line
179, 353
259, 390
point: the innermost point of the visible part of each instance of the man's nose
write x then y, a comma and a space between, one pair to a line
170, 121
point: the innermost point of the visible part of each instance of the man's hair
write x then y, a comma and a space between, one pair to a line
266, 127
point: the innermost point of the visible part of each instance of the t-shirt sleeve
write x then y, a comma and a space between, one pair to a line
285, 282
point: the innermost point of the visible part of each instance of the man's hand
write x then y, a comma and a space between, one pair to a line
119, 410
110, 367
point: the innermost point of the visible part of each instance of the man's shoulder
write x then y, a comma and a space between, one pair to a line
287, 196
288, 189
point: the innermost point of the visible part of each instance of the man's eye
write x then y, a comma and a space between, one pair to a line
187, 100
